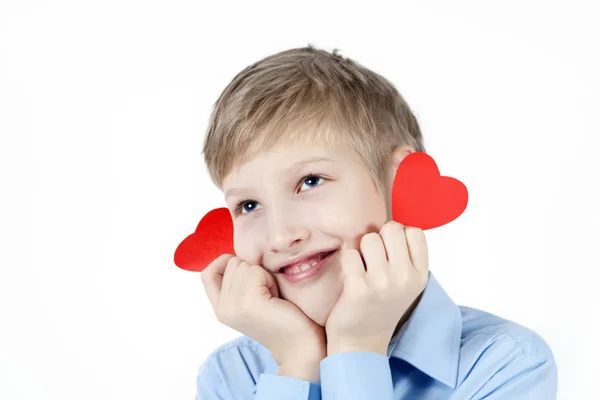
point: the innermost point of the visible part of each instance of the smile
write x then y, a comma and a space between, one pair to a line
307, 270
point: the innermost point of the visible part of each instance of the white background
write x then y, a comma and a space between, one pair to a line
103, 110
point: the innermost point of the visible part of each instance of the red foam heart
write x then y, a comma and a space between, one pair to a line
213, 237
424, 199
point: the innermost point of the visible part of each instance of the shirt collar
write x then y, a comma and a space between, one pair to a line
430, 338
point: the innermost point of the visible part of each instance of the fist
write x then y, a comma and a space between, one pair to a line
377, 292
246, 298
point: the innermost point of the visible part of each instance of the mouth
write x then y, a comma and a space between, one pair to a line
309, 269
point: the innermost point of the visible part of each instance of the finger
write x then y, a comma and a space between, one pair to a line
229, 280
373, 251
271, 283
258, 278
239, 278
352, 265
212, 277
394, 239
417, 248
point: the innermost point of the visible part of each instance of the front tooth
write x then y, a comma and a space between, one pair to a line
303, 267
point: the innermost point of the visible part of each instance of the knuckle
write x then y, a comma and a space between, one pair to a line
391, 227
414, 232
349, 255
370, 236
255, 269
233, 261
368, 239
254, 273
353, 254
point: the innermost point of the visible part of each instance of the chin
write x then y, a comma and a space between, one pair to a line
321, 321
321, 314
318, 303
320, 318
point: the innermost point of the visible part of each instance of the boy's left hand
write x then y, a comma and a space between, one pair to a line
375, 298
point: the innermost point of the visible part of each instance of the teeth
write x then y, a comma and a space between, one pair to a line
303, 267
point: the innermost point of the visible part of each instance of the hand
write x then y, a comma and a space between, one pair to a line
246, 298
374, 300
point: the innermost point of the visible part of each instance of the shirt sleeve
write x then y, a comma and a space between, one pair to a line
212, 385
277, 387
209, 385
356, 376
532, 377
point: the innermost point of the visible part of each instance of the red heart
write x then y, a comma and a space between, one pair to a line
420, 198
424, 199
213, 237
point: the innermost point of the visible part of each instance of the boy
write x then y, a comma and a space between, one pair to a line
334, 298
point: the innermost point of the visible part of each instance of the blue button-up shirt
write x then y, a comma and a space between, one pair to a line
443, 351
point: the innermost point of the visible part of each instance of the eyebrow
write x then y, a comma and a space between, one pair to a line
288, 169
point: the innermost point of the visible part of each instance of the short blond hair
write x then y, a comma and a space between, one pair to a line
306, 95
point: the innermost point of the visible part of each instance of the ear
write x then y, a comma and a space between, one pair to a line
398, 154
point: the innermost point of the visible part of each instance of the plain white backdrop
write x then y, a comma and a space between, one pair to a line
103, 110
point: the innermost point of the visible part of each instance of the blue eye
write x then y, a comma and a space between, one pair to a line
240, 206
310, 177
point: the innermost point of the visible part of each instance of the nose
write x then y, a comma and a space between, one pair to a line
286, 230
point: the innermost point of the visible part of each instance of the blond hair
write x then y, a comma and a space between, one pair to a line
309, 96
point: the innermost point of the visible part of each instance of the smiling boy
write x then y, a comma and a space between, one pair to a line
334, 298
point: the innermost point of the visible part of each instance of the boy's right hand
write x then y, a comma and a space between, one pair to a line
246, 298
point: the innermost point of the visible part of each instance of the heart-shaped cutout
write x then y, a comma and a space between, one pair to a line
422, 198
213, 237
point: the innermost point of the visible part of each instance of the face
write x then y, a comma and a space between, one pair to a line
291, 204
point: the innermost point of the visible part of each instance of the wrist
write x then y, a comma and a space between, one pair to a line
336, 348
304, 369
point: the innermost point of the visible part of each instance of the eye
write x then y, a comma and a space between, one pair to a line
317, 177
240, 205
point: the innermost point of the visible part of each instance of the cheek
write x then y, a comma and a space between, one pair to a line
241, 245
351, 220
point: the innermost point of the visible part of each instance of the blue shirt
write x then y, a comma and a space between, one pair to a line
443, 351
